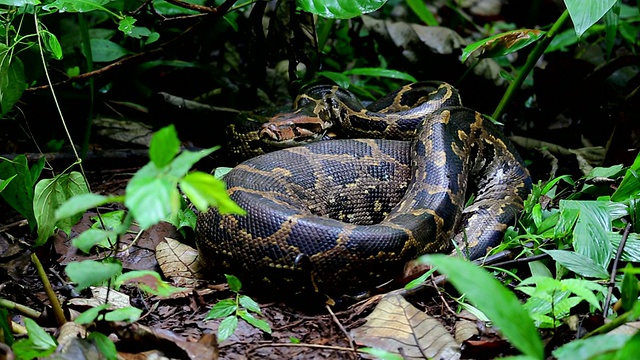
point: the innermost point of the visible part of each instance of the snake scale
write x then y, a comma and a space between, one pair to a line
345, 215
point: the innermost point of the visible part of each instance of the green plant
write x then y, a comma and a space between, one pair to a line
233, 309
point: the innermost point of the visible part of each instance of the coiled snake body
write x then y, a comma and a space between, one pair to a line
342, 216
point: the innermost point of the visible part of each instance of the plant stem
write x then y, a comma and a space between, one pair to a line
528, 66
55, 304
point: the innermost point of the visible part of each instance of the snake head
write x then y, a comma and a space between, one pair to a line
293, 129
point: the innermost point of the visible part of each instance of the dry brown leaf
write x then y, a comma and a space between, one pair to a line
398, 327
117, 300
482, 7
178, 262
466, 327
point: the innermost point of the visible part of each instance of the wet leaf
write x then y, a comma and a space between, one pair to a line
342, 9
503, 44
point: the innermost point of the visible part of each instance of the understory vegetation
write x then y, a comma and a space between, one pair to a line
82, 80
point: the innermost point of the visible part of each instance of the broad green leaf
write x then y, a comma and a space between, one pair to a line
52, 44
148, 281
591, 231
81, 203
503, 43
257, 323
631, 251
227, 327
585, 289
578, 263
629, 289
234, 283
151, 196
492, 298
41, 340
630, 350
586, 13
12, 80
89, 272
378, 72
608, 172
90, 315
103, 50
221, 171
48, 195
204, 190
340, 9
221, 309
76, 5
611, 20
4, 183
590, 348
129, 314
92, 237
19, 193
182, 163
105, 346
630, 185
164, 146
109, 221
249, 304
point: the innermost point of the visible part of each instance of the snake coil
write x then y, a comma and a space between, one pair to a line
345, 215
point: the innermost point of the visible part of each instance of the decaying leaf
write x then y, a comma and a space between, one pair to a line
398, 327
178, 262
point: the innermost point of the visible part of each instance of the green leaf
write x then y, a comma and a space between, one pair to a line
381, 354
204, 190
89, 272
591, 231
181, 165
249, 304
630, 185
578, 263
76, 5
151, 196
105, 346
19, 193
111, 220
379, 72
340, 9
81, 203
128, 314
18, 3
4, 183
52, 44
41, 340
257, 323
126, 24
227, 327
12, 80
103, 50
586, 13
630, 350
629, 289
92, 237
164, 146
234, 283
49, 194
340, 79
585, 289
148, 281
419, 8
90, 315
492, 298
590, 348
221, 309
503, 43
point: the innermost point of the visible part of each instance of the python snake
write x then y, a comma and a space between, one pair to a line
343, 216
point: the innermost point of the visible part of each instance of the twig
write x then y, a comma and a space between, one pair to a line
314, 346
614, 269
8, 304
344, 331
218, 10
